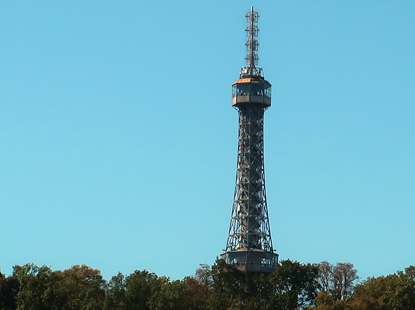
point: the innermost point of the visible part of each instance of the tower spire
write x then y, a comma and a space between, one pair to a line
252, 44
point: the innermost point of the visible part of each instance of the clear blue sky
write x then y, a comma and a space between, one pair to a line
118, 140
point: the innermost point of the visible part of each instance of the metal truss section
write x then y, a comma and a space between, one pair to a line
249, 227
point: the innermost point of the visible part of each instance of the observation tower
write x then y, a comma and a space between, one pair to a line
249, 244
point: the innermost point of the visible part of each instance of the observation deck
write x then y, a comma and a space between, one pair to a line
253, 91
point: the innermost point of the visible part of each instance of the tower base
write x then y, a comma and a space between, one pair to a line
252, 260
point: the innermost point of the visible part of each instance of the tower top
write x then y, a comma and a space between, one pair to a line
252, 30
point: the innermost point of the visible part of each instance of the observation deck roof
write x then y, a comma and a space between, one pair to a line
257, 80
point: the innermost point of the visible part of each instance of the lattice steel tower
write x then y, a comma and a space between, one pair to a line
249, 243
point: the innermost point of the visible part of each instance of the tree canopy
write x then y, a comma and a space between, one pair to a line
292, 286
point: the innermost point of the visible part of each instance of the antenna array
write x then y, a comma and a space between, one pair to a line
252, 44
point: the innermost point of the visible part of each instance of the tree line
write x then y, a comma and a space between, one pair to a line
292, 286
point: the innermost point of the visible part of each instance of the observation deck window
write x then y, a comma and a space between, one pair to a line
257, 90
240, 90
267, 91
251, 89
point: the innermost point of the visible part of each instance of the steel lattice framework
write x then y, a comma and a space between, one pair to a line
249, 243
249, 227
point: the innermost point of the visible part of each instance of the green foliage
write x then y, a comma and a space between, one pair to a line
34, 283
325, 301
229, 287
140, 287
9, 288
77, 288
294, 285
374, 293
220, 287
144, 290
291, 286
337, 280
170, 296
81, 287
395, 291
197, 293
115, 295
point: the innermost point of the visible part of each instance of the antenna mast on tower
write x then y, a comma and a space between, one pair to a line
252, 44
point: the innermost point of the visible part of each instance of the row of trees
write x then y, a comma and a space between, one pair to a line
220, 287
392, 292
